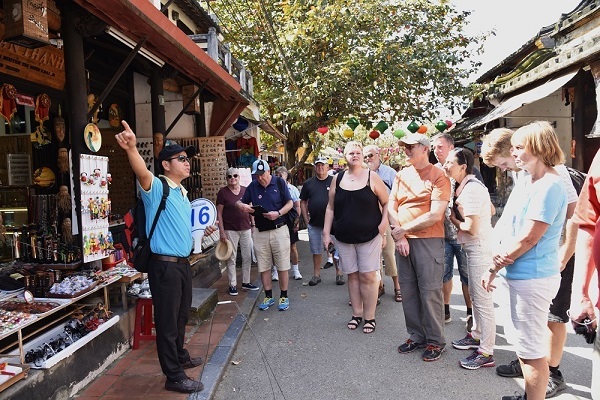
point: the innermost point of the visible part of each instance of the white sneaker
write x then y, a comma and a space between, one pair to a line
274, 275
297, 275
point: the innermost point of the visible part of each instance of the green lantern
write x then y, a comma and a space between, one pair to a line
381, 126
441, 126
413, 126
352, 123
399, 133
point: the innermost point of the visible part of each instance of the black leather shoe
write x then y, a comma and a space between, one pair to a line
187, 385
193, 362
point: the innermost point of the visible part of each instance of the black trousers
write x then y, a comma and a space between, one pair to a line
171, 287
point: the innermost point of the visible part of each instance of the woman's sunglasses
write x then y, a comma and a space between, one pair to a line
232, 176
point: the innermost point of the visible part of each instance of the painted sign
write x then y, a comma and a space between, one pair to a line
204, 213
44, 65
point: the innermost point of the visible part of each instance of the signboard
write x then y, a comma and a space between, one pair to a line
44, 65
204, 213
26, 22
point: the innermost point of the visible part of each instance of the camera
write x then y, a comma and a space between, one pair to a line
585, 328
331, 248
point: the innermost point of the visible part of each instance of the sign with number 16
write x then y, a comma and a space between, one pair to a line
204, 213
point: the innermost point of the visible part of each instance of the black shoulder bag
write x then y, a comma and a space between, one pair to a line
291, 215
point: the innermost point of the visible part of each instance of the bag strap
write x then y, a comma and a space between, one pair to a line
161, 206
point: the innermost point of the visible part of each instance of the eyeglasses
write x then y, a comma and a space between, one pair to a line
232, 176
181, 159
370, 155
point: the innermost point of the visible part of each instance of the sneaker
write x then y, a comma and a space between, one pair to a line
187, 385
145, 294
297, 275
447, 318
328, 265
512, 370
469, 323
274, 275
477, 360
556, 383
409, 346
266, 303
249, 286
514, 397
466, 343
314, 281
339, 280
284, 304
233, 291
432, 352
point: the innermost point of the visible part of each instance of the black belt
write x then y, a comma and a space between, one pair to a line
277, 226
178, 260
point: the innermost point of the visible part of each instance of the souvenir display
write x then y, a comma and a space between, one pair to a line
34, 307
63, 199
8, 103
10, 320
59, 126
115, 116
44, 177
63, 160
72, 286
41, 136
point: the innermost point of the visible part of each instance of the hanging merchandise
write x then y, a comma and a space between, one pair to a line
92, 137
352, 123
248, 151
381, 126
8, 103
91, 100
115, 116
241, 124
374, 134
322, 130
43, 177
96, 207
422, 129
63, 160
348, 133
413, 126
41, 136
63, 199
58, 123
449, 123
399, 133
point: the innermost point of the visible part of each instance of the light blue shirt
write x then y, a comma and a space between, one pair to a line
173, 233
294, 192
387, 175
544, 201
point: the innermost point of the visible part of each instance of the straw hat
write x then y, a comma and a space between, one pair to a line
224, 250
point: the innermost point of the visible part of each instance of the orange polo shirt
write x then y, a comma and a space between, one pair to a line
414, 190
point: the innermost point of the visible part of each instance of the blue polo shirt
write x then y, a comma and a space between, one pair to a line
173, 233
270, 198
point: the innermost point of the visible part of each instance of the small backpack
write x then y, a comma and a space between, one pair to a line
578, 179
137, 243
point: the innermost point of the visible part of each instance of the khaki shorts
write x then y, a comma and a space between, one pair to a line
360, 257
272, 248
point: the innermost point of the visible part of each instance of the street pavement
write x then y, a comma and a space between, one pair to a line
307, 352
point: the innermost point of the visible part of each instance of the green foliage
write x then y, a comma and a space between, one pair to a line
322, 61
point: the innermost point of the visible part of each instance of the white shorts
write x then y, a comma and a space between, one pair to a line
529, 303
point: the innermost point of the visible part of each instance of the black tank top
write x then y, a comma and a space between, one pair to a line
356, 215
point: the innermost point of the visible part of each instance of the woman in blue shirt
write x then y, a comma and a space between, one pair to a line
530, 229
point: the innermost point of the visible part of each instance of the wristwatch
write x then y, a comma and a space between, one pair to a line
279, 213
492, 271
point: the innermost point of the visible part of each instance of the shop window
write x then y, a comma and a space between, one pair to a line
21, 122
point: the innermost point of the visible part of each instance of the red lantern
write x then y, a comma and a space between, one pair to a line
374, 134
449, 123
422, 129
323, 130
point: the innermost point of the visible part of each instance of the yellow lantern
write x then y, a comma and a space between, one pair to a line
348, 133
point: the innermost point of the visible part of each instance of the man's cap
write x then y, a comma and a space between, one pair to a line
169, 151
259, 167
321, 160
416, 138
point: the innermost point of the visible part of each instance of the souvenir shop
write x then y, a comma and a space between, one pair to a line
66, 185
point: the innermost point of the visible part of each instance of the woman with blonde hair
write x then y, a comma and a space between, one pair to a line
358, 192
527, 254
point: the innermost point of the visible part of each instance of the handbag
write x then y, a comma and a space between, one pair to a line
292, 215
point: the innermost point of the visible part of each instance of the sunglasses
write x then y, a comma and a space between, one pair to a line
369, 156
232, 176
181, 159
409, 146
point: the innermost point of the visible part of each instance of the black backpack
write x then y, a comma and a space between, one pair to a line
578, 178
137, 243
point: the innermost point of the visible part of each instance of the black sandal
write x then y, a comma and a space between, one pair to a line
369, 326
354, 323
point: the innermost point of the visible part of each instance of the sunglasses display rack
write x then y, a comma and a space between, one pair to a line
144, 146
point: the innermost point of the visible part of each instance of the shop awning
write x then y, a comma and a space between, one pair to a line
140, 18
514, 103
265, 125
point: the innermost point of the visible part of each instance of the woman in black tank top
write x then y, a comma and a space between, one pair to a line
357, 210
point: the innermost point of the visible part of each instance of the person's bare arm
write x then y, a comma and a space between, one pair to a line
127, 140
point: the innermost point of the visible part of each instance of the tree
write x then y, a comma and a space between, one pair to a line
319, 62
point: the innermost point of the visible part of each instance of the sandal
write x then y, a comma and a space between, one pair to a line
369, 326
354, 323
398, 296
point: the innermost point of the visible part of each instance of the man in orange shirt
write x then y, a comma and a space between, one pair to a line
418, 200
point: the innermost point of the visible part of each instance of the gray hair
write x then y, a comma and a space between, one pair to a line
232, 171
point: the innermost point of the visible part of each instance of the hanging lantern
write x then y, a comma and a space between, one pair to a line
413, 126
374, 134
348, 133
352, 123
422, 129
399, 133
323, 130
381, 126
240, 125
441, 126
449, 123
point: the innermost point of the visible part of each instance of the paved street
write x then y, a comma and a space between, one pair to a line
308, 353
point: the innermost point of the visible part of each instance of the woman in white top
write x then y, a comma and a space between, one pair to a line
471, 214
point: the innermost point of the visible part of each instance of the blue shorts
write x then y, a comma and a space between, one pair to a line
454, 249
315, 240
